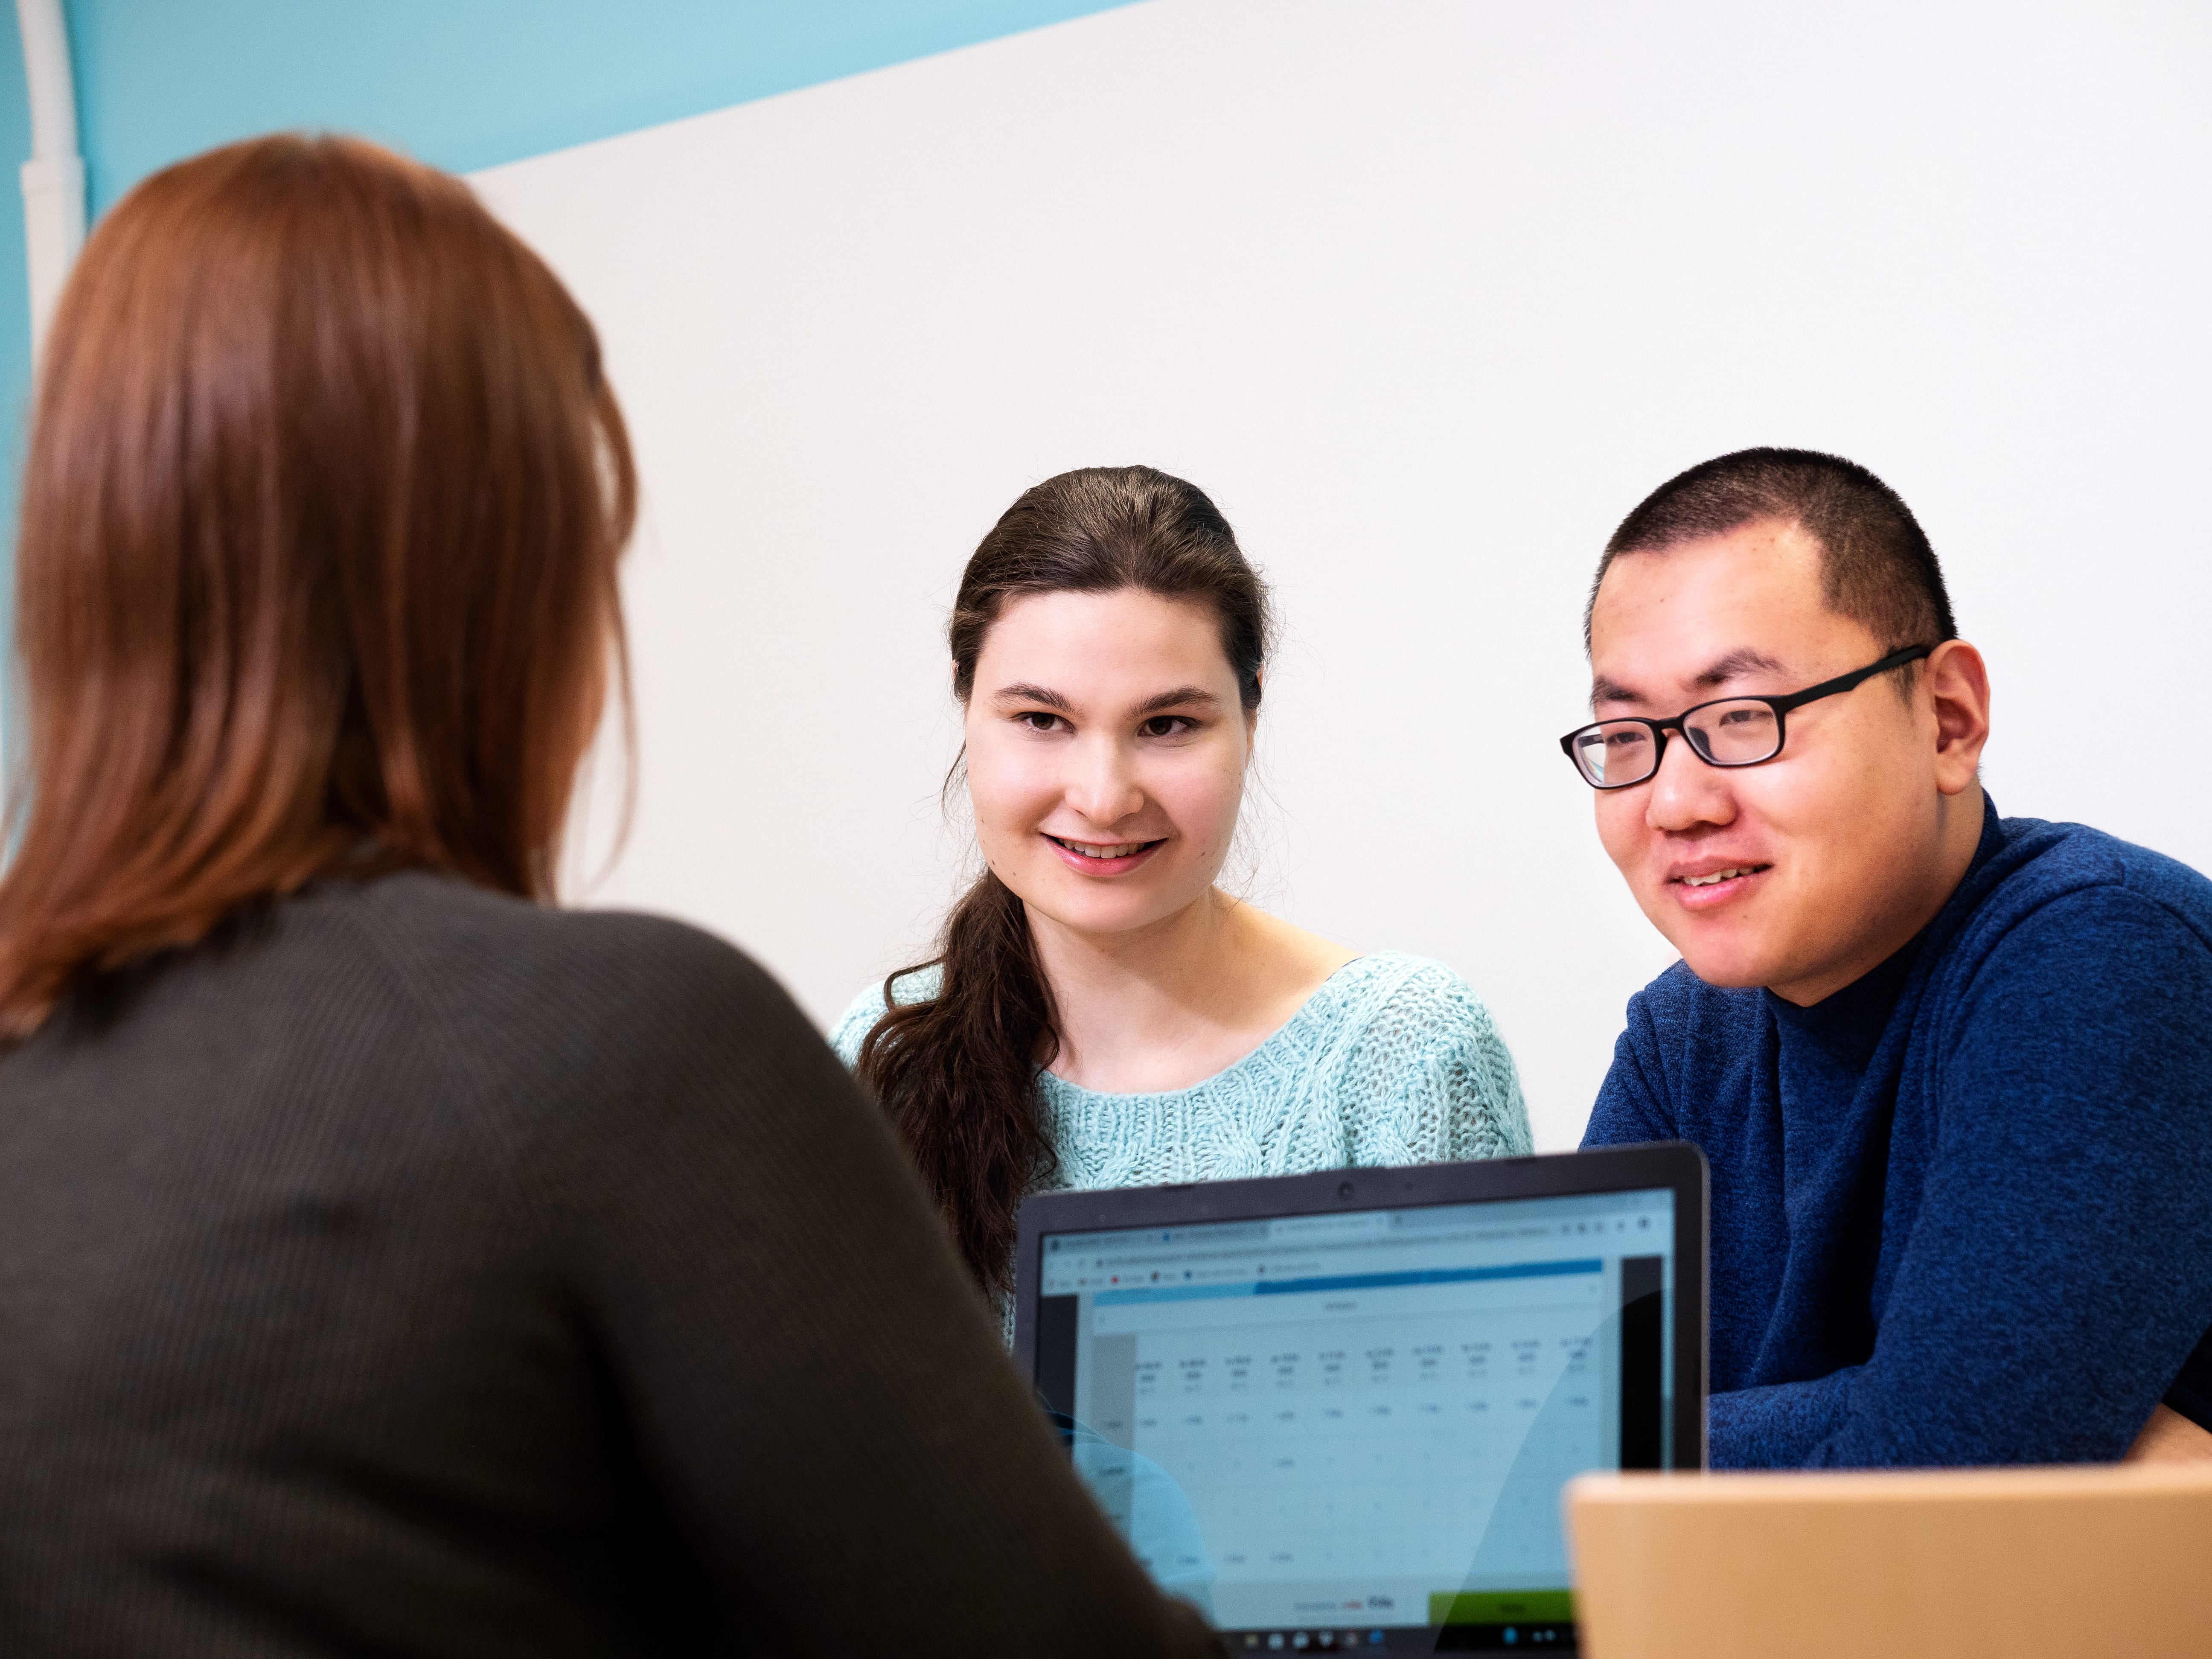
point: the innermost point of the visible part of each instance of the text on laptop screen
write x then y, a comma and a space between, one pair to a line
1355, 1425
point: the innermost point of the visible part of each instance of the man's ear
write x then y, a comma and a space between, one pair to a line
1956, 686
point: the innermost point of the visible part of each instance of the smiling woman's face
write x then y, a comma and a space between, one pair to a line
1106, 751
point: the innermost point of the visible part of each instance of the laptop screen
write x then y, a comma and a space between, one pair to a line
1351, 1430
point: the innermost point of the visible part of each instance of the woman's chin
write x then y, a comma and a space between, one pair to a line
1091, 912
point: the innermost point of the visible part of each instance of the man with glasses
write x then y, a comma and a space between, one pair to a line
1952, 1072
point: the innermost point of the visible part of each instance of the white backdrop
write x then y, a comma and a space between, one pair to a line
1427, 293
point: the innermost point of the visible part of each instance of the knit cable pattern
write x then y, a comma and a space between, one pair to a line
1393, 1060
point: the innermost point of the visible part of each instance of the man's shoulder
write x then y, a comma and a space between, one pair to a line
1691, 1043
1678, 1004
1682, 1064
2076, 878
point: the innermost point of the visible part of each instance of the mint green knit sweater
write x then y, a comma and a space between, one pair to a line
1393, 1060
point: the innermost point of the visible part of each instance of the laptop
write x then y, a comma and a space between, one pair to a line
1335, 1411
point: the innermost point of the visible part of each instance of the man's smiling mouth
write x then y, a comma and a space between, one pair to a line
1714, 878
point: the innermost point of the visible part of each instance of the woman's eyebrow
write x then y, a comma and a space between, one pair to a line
1183, 697
1026, 693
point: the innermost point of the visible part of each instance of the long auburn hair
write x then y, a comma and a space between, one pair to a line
316, 572
957, 1072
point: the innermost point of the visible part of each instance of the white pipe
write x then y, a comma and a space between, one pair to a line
53, 179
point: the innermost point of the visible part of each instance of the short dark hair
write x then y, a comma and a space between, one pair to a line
1876, 565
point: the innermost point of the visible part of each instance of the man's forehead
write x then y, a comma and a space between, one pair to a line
1702, 615
1763, 561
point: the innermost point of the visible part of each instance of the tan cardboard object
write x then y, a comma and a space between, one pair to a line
2018, 1563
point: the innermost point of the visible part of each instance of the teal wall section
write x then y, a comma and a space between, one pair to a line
461, 83
470, 83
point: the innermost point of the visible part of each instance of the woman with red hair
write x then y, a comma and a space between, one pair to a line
391, 1262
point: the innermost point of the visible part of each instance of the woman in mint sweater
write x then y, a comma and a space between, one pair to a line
1100, 1013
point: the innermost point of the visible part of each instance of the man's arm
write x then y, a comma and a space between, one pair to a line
2060, 1266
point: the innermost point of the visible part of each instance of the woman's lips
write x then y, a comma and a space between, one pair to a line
1084, 863
1708, 890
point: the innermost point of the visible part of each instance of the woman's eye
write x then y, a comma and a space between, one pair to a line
1038, 719
1165, 726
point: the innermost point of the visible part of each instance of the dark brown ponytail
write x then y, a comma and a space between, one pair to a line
957, 1074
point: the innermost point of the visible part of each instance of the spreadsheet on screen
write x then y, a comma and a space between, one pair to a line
1361, 1420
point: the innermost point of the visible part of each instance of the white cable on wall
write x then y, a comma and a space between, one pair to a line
53, 179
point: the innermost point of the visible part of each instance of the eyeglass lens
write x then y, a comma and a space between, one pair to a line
1737, 732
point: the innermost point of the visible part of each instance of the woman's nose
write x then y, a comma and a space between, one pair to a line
1102, 783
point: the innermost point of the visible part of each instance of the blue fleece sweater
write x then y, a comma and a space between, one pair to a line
1961, 1209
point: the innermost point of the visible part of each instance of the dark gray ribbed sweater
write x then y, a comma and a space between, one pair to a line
412, 1272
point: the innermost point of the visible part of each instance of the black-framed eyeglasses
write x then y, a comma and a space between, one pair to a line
1727, 731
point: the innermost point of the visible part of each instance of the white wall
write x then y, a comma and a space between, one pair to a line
1427, 294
